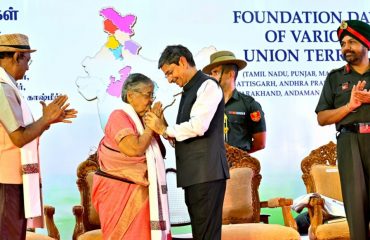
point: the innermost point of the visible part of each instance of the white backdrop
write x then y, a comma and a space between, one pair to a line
290, 46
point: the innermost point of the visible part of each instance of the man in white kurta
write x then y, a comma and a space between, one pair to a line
20, 193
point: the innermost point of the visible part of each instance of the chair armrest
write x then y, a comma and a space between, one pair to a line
285, 204
315, 210
79, 226
50, 224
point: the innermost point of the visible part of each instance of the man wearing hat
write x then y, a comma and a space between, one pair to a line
345, 102
245, 125
20, 193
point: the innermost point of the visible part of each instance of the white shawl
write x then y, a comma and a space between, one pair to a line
30, 165
158, 201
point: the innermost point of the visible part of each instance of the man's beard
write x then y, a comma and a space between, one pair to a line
354, 57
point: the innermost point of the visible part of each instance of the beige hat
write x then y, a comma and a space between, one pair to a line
222, 58
15, 42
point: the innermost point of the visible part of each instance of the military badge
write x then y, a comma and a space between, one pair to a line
345, 86
343, 25
255, 116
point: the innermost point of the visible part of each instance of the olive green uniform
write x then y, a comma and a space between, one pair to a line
244, 118
353, 147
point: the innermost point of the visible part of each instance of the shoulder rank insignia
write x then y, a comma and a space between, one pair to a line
255, 116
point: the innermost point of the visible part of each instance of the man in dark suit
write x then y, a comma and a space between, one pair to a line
200, 153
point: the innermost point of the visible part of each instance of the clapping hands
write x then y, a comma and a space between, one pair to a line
57, 111
359, 95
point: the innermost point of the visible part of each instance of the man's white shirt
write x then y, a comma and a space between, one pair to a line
209, 96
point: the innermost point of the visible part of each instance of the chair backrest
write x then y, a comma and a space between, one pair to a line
242, 203
320, 172
85, 173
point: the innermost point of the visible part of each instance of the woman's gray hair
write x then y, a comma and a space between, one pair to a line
132, 82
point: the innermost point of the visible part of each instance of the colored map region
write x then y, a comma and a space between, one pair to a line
132, 47
108, 68
115, 22
115, 86
124, 23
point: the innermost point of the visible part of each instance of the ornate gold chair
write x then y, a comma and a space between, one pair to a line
87, 219
53, 232
320, 175
242, 206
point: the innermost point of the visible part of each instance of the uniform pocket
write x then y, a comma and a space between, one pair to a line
239, 119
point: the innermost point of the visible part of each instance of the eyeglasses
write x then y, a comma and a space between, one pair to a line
27, 59
150, 95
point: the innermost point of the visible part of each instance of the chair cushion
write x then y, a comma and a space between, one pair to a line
258, 231
322, 175
331, 231
93, 215
91, 235
238, 203
36, 236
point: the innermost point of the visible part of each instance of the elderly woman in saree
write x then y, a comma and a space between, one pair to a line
129, 190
